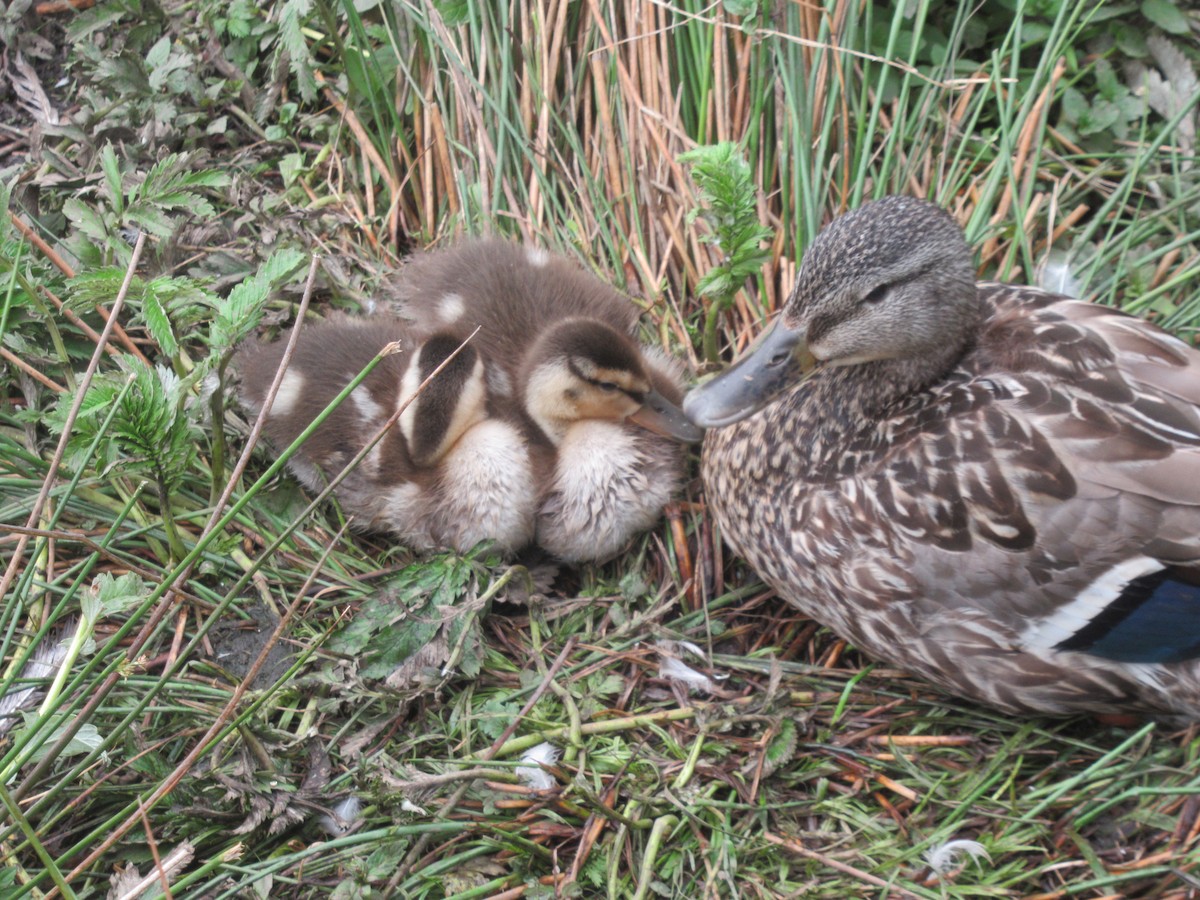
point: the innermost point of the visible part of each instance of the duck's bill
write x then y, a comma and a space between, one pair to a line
778, 359
660, 415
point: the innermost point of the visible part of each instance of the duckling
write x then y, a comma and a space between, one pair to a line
992, 486
449, 475
568, 363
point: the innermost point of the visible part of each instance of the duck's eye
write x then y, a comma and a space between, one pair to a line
607, 386
876, 295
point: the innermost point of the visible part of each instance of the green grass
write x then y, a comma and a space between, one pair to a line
809, 772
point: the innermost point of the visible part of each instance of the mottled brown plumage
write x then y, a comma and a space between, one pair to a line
989, 485
565, 356
449, 474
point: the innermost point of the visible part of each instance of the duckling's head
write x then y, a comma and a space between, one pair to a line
584, 369
889, 281
454, 401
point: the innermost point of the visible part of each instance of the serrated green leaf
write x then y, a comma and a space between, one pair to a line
87, 289
86, 219
151, 220
158, 323
281, 264
239, 313
112, 178
291, 32
196, 205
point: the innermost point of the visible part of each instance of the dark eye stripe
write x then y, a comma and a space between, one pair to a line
636, 396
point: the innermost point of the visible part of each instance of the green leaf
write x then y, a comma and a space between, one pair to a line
157, 55
783, 746
151, 220
1101, 117
1166, 15
85, 740
112, 178
239, 313
86, 219
158, 324
454, 12
109, 596
741, 8
1074, 105
290, 166
294, 42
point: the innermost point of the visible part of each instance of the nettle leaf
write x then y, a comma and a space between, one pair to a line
161, 74
167, 186
195, 203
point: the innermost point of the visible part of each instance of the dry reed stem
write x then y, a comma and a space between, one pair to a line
29, 370
360, 134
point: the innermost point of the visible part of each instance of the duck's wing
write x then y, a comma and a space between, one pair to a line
1062, 466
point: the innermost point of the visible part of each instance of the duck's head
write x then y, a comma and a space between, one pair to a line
452, 402
891, 280
584, 369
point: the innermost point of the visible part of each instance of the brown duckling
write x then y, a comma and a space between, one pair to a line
450, 475
565, 356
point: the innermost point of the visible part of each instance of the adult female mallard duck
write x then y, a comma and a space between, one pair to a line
450, 475
992, 486
602, 407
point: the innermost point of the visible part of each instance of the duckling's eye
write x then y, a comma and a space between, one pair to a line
607, 386
876, 295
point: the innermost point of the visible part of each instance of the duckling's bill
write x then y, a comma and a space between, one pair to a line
660, 415
778, 359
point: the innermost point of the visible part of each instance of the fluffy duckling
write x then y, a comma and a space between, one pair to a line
565, 358
450, 475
